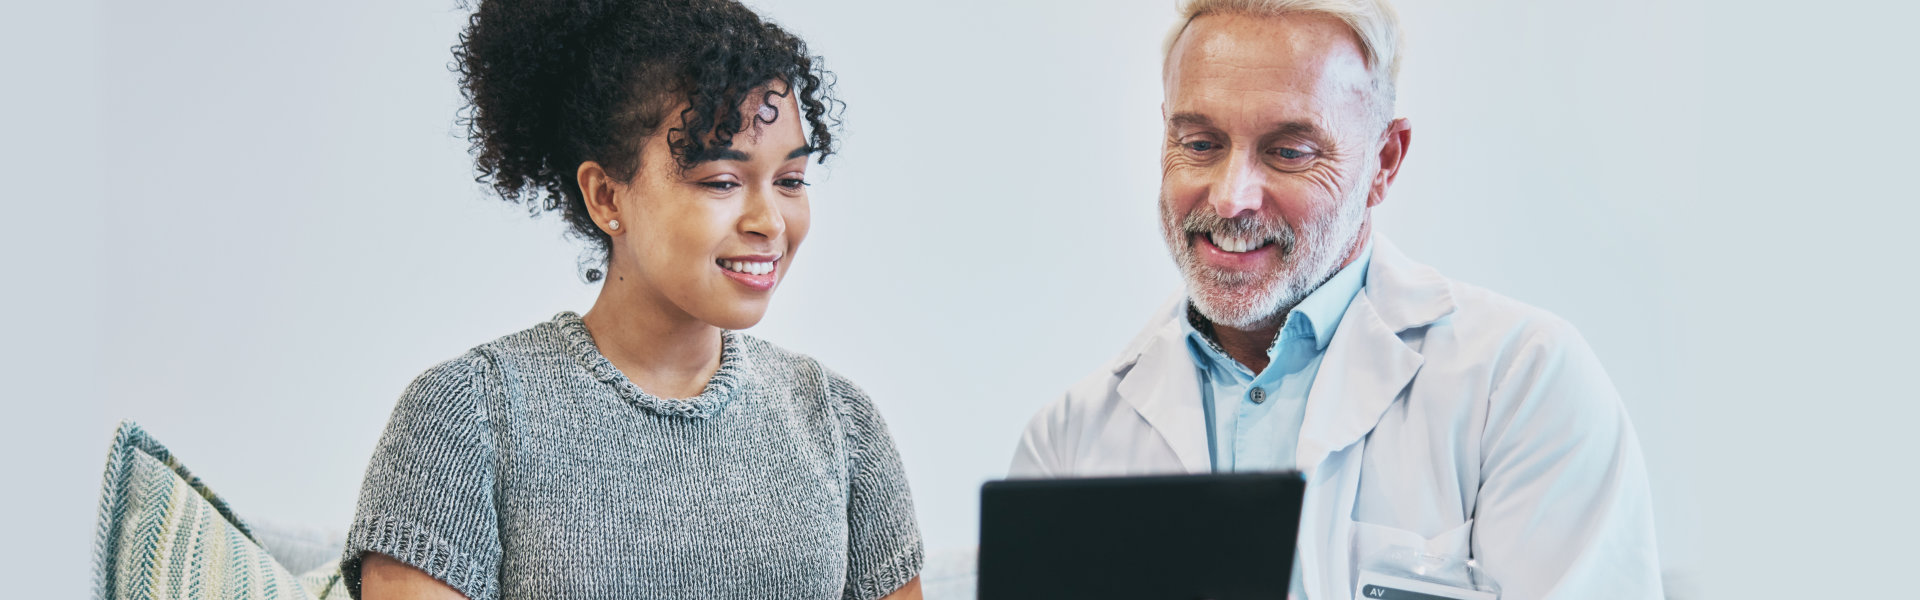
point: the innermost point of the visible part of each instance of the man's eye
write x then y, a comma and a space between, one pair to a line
1290, 153
1202, 146
721, 186
792, 184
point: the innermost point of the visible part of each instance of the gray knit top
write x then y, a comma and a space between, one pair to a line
530, 467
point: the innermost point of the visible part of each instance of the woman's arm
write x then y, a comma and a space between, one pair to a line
910, 591
383, 578
427, 501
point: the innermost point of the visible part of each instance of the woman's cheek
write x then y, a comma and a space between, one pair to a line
799, 219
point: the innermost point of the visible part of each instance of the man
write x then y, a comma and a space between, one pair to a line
1427, 415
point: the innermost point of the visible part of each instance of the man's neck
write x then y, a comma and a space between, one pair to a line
1248, 346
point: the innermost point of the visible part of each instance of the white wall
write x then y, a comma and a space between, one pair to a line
247, 225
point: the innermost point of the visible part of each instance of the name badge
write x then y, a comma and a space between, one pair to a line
1381, 586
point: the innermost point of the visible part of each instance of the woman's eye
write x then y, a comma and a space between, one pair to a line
720, 186
791, 183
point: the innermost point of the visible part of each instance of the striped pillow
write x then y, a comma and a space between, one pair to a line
163, 534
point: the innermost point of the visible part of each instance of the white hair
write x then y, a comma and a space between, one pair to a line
1374, 22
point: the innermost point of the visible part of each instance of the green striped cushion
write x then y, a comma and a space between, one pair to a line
163, 534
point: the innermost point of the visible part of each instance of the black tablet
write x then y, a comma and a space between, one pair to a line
1177, 537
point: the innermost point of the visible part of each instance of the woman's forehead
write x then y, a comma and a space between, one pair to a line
774, 118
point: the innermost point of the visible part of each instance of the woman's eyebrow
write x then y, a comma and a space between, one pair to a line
713, 154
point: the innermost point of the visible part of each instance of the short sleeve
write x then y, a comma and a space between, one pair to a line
884, 550
427, 499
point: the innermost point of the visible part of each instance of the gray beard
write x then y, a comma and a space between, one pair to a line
1311, 255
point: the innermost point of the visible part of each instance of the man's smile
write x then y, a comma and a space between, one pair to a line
1226, 252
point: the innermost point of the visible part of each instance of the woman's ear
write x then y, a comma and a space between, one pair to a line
597, 187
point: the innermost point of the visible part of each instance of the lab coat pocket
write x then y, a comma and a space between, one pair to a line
1445, 560
1371, 539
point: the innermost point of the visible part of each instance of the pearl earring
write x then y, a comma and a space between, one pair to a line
613, 224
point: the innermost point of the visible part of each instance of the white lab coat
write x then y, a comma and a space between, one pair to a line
1443, 415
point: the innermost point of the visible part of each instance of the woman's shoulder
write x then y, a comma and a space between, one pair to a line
475, 373
553, 337
859, 418
774, 362
546, 340
460, 375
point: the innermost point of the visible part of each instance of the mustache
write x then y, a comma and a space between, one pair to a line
1202, 220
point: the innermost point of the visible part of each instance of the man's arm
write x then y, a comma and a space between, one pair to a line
1036, 456
1563, 509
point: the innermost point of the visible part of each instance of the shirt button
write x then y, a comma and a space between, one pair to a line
1258, 395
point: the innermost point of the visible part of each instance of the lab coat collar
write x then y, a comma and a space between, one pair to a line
1405, 294
1364, 369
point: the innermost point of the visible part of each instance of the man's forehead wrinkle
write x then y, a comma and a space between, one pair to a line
1270, 72
1306, 43
1256, 75
1260, 73
1254, 105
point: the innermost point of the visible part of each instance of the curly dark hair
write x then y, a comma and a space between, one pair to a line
551, 84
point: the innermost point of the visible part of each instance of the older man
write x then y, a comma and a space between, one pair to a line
1435, 421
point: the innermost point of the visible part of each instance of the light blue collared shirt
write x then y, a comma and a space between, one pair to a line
1253, 421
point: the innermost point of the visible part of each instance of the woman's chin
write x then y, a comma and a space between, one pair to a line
740, 315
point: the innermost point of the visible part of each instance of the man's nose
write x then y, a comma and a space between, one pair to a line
1238, 190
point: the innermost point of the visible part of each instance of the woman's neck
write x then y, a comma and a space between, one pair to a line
659, 347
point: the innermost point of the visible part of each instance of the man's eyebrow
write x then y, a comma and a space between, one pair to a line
1189, 120
1294, 129
1287, 129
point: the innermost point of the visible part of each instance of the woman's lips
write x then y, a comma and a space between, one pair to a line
759, 272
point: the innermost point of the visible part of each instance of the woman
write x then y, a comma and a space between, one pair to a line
645, 450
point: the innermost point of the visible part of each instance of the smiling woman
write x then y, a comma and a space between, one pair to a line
645, 450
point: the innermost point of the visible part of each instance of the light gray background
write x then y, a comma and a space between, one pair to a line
248, 224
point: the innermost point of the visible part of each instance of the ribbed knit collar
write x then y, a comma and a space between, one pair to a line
720, 389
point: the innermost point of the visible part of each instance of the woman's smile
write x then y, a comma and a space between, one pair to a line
758, 272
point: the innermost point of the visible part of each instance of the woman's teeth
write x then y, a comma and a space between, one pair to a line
1236, 244
750, 268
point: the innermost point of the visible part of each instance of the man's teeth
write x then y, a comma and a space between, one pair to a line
750, 268
1236, 244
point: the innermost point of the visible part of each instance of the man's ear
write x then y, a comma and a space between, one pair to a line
1393, 153
596, 187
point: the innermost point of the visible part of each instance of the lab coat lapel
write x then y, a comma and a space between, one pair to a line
1163, 385
1367, 364
1364, 369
